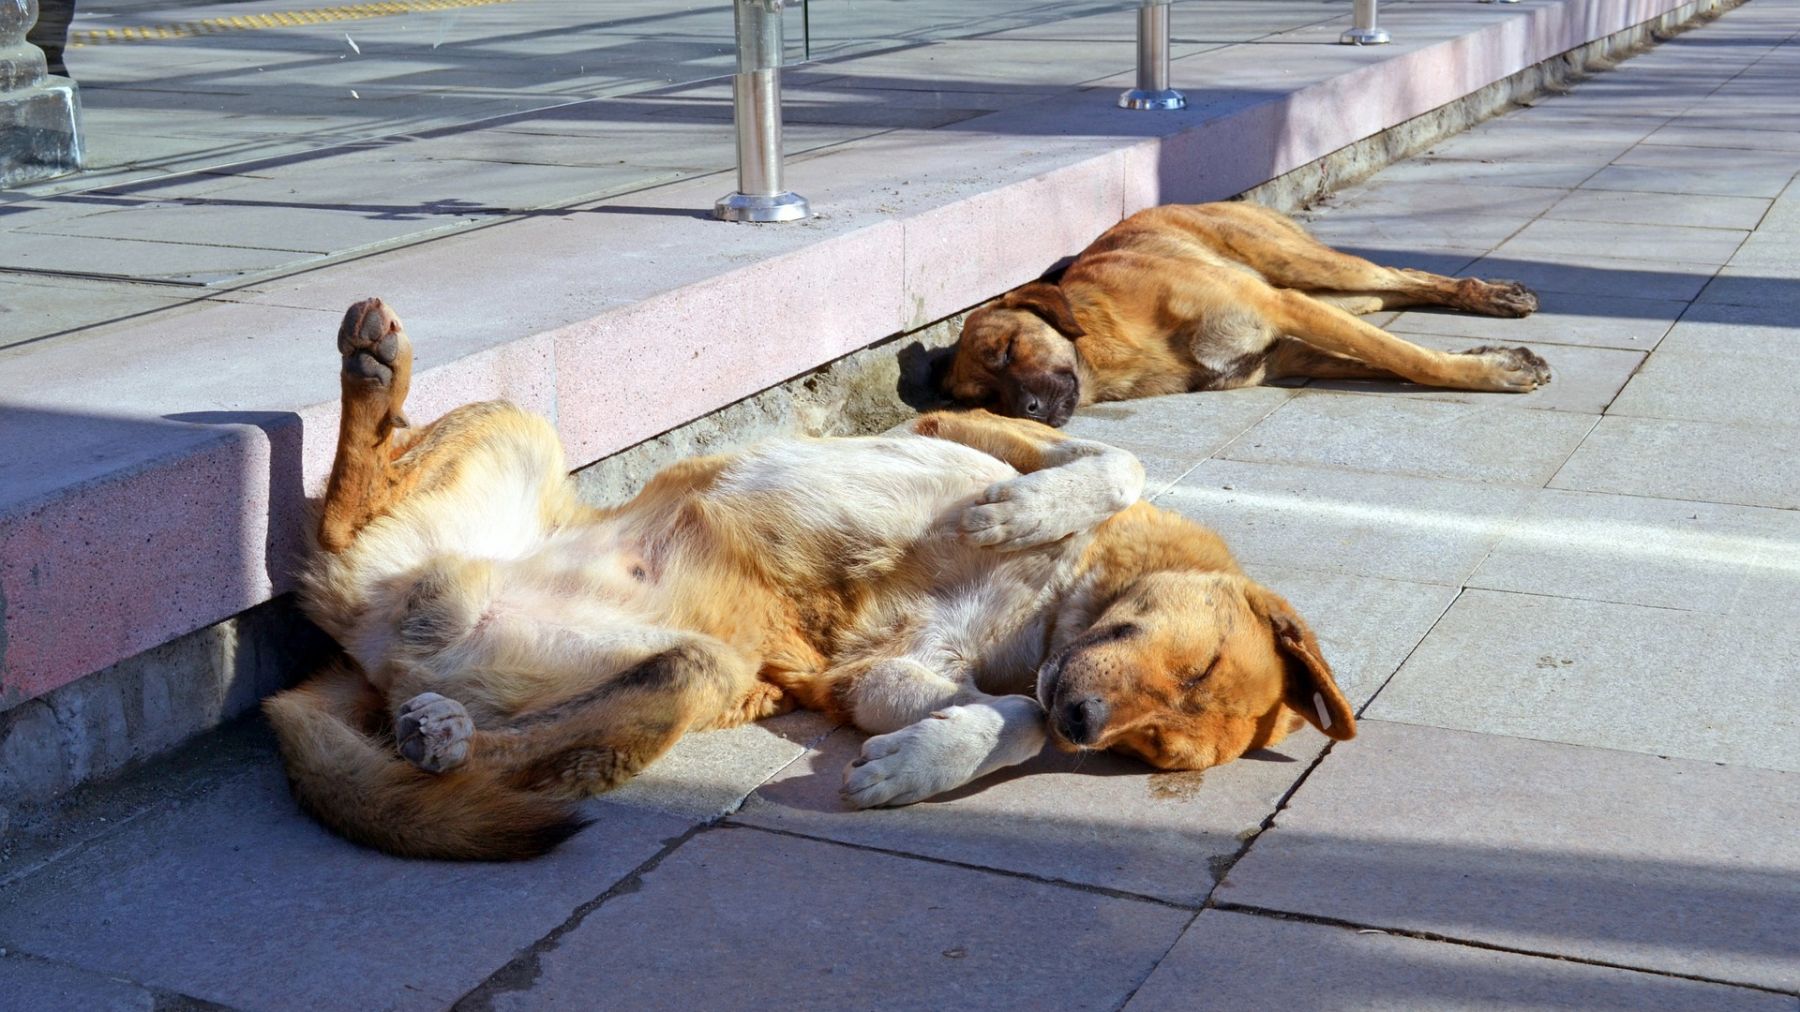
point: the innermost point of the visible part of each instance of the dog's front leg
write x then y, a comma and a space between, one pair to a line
952, 747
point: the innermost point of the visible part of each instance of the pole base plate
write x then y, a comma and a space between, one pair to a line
1166, 99
787, 206
1365, 37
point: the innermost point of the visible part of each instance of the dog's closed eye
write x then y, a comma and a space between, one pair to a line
1206, 673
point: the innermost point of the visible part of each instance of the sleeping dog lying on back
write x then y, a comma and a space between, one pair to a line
961, 589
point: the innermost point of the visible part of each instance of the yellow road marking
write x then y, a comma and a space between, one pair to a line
279, 19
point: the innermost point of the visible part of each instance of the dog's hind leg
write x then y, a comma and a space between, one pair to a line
1290, 257
1291, 358
591, 740
1334, 332
376, 372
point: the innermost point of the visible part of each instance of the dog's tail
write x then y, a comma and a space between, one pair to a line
355, 782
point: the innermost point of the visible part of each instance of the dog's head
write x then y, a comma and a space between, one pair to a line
1016, 355
1188, 670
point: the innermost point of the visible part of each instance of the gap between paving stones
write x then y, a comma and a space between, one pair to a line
1428, 936
523, 970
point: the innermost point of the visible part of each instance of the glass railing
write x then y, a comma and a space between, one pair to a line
227, 142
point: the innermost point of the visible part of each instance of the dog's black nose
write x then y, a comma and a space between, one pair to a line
1084, 719
1034, 407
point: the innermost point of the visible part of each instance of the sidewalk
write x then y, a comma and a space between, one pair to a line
1571, 620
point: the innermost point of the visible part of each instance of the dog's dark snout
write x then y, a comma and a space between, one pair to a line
1084, 719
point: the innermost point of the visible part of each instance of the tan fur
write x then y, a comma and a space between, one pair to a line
1210, 297
511, 649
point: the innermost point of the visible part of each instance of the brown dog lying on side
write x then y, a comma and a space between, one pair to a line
1212, 297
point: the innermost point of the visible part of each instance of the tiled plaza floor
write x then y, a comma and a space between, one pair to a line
1570, 619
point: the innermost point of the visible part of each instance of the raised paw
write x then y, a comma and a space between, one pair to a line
1049, 505
1009, 516
1512, 370
1498, 298
433, 732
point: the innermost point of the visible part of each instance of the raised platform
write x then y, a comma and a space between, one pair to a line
154, 474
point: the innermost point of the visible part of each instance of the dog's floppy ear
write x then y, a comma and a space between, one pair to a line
1047, 301
1309, 689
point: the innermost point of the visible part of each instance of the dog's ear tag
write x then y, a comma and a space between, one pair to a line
1324, 714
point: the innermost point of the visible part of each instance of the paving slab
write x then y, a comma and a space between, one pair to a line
1598, 275
1422, 230
1683, 134
1563, 318
1584, 380
1747, 389
1624, 207
255, 224
1366, 626
36, 305
1777, 251
1725, 331
1415, 530
1228, 960
236, 897
1660, 553
1095, 820
139, 260
1624, 240
31, 985
1429, 439
1452, 260
1622, 676
1380, 196
710, 773
1674, 169
1612, 857
1171, 434
1521, 137
1537, 170
1777, 292
1706, 461
774, 921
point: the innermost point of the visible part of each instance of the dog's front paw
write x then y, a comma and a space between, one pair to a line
941, 752
1497, 298
1049, 505
433, 732
1013, 515
1512, 370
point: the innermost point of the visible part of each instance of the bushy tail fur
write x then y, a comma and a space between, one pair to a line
348, 775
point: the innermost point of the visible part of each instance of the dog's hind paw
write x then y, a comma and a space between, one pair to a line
433, 732
1497, 298
1512, 370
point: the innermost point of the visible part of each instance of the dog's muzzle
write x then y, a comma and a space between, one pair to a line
1050, 398
1075, 717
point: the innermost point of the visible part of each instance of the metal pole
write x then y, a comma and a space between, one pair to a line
1365, 32
756, 113
1153, 91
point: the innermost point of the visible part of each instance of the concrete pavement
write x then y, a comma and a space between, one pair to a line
1571, 621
